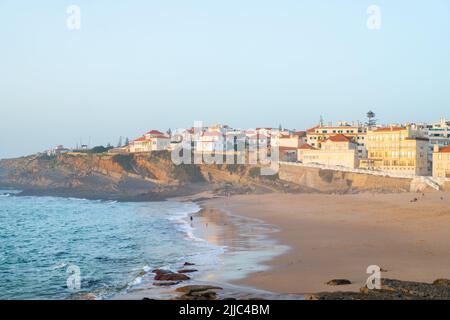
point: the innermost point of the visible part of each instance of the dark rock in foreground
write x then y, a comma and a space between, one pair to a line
198, 292
166, 283
172, 277
187, 270
392, 290
167, 275
442, 282
339, 282
197, 288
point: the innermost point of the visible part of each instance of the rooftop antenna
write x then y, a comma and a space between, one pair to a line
321, 121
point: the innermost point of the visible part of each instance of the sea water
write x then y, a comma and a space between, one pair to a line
112, 244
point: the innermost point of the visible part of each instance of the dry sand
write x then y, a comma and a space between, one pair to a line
339, 236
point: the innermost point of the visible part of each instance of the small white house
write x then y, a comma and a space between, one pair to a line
153, 140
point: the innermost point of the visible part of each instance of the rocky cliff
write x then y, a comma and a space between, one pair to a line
154, 177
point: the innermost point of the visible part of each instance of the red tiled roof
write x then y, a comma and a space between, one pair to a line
287, 148
312, 130
445, 149
307, 146
300, 133
387, 129
339, 138
155, 132
140, 139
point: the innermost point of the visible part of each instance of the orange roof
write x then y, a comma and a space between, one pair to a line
287, 148
155, 132
307, 146
268, 129
445, 149
300, 133
389, 129
312, 130
339, 138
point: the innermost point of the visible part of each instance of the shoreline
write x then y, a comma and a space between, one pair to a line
295, 243
339, 236
221, 230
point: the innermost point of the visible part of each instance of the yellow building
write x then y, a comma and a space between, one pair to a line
399, 150
337, 150
441, 162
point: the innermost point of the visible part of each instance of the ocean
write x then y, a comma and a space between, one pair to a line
65, 248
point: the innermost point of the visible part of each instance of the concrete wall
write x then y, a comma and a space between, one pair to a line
326, 180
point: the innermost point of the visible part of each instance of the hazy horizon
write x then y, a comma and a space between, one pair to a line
145, 65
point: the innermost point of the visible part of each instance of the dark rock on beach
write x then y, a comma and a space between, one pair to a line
198, 292
166, 275
339, 282
189, 264
166, 283
442, 282
161, 271
197, 288
392, 290
172, 277
187, 270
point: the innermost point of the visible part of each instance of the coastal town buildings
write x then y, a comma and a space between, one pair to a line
441, 162
301, 151
289, 143
153, 140
337, 150
210, 141
438, 133
319, 133
401, 150
60, 149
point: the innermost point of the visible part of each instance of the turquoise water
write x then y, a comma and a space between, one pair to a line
111, 243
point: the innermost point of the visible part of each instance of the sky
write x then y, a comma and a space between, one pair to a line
138, 65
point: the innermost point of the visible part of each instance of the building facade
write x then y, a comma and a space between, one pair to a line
320, 133
401, 150
441, 162
153, 140
438, 133
337, 150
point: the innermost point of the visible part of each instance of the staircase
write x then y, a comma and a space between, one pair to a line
431, 182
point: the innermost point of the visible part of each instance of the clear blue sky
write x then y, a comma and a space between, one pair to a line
137, 65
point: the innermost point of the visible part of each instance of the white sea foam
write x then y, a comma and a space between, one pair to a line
59, 266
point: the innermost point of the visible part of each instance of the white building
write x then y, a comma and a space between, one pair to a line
153, 140
210, 141
439, 134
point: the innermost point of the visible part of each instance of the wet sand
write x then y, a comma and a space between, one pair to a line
339, 236
246, 244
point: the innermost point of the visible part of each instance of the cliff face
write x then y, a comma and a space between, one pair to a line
98, 176
154, 177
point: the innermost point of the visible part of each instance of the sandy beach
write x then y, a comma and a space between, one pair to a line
339, 236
